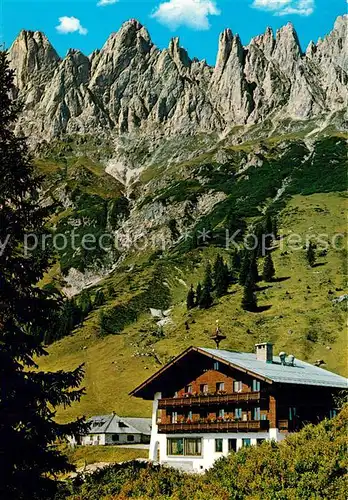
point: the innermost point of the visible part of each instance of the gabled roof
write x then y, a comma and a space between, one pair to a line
113, 424
301, 373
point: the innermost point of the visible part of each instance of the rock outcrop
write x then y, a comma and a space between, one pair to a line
130, 86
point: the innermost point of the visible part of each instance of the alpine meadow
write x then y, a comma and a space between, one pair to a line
173, 267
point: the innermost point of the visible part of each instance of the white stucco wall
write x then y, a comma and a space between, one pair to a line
106, 439
158, 444
208, 456
93, 439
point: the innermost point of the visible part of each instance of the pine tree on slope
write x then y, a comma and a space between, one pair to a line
206, 299
221, 277
28, 398
190, 300
310, 255
268, 268
249, 300
198, 294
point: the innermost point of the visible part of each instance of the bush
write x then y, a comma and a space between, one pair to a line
309, 464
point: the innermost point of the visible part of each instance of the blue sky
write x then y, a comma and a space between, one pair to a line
85, 25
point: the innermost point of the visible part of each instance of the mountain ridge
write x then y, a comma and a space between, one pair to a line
132, 87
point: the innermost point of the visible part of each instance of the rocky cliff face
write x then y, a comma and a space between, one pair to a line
130, 86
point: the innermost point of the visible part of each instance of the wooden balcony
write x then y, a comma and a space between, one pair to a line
236, 426
202, 400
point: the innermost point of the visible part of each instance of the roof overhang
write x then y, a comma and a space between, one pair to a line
139, 391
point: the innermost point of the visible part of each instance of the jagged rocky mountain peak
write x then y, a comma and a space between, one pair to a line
132, 86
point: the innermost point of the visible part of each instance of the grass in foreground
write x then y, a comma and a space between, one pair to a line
85, 455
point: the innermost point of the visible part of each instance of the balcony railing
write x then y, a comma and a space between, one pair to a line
237, 397
237, 426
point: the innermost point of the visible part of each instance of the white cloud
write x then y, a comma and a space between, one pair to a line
191, 13
285, 7
103, 3
70, 25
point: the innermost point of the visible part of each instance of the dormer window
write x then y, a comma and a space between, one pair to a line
216, 365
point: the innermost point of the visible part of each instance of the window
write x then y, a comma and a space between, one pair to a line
176, 394
130, 437
221, 413
259, 441
292, 413
218, 445
246, 442
192, 446
257, 413
115, 437
175, 446
256, 385
333, 413
122, 424
237, 386
184, 446
188, 389
203, 388
189, 415
216, 365
238, 413
263, 416
232, 445
220, 386
174, 417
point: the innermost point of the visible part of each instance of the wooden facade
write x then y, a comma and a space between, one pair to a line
211, 396
209, 402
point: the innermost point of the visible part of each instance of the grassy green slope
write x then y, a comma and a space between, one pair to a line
301, 320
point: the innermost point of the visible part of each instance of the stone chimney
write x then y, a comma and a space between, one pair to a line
264, 352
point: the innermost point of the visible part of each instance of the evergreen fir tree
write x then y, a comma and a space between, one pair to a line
221, 277
275, 227
268, 269
236, 262
206, 299
190, 301
259, 232
103, 324
269, 224
249, 300
245, 268
28, 397
310, 255
99, 299
254, 269
208, 278
111, 293
69, 318
85, 303
198, 294
268, 232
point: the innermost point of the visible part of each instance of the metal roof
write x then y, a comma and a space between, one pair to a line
301, 373
113, 424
